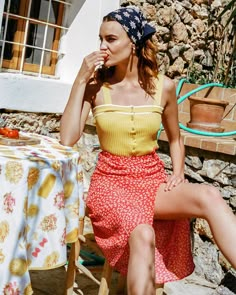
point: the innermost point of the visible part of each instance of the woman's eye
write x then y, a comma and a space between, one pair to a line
111, 39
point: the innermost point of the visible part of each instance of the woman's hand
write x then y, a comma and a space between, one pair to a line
173, 181
77, 108
89, 64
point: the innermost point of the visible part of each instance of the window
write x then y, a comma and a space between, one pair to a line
30, 35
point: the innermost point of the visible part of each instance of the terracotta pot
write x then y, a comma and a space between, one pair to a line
206, 114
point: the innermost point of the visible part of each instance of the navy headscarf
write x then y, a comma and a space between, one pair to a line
133, 22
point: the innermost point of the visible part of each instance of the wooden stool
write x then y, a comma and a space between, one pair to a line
106, 270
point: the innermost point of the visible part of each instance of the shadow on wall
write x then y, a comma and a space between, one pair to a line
73, 11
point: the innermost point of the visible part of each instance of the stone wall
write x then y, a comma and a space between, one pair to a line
200, 166
188, 44
41, 123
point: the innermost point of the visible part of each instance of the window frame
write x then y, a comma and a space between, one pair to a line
17, 62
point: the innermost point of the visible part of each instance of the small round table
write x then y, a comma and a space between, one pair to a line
41, 202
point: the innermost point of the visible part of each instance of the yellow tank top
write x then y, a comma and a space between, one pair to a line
128, 130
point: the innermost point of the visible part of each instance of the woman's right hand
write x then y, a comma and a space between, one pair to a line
89, 64
72, 125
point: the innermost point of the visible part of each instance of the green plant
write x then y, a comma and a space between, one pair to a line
231, 7
229, 28
202, 76
198, 75
223, 69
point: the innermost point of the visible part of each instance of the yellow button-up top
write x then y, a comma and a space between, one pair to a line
128, 130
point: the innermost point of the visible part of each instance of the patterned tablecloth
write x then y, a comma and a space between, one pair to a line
40, 203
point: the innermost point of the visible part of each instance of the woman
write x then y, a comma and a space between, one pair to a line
139, 215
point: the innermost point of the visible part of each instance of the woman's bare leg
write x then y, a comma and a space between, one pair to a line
197, 200
141, 269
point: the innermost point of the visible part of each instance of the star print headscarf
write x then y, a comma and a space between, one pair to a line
133, 22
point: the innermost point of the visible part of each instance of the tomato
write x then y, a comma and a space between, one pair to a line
14, 133
4, 131
1, 131
8, 132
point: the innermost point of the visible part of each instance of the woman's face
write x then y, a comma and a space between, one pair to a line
116, 43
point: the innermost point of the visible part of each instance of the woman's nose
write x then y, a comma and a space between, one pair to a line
103, 46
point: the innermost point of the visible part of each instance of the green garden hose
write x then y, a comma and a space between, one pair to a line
185, 96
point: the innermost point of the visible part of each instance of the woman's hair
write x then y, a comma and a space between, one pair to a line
147, 64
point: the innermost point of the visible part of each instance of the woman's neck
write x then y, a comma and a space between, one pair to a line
126, 73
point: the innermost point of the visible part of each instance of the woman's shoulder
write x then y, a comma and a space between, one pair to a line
169, 90
168, 83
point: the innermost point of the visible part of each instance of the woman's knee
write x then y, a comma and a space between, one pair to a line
209, 198
143, 235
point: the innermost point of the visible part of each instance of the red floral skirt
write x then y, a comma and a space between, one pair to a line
121, 196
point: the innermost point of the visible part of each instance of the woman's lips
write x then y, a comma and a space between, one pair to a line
106, 58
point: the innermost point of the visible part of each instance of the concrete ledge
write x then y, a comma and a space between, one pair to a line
33, 94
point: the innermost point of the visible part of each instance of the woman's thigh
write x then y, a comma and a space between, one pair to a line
187, 200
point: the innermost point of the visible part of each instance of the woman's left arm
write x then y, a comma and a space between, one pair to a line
170, 122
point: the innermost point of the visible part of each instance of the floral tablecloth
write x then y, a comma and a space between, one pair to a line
41, 200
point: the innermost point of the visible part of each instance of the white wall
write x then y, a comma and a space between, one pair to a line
82, 37
27, 93
1, 11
